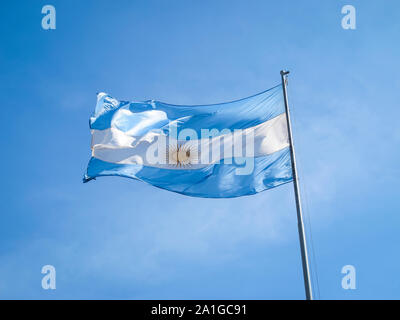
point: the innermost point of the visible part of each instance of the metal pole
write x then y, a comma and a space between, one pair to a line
300, 225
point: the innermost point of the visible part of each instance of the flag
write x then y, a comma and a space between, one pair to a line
221, 150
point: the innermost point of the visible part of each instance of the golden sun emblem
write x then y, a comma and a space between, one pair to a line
181, 155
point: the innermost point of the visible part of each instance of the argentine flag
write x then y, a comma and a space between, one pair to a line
214, 151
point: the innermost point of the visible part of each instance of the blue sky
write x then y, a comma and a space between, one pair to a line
122, 239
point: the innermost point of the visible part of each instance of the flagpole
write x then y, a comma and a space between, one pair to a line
300, 224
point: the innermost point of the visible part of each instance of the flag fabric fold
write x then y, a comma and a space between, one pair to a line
214, 151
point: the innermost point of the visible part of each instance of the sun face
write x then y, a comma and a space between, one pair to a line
180, 155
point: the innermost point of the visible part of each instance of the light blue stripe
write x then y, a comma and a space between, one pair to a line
214, 181
239, 114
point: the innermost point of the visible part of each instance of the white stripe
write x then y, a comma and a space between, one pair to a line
114, 145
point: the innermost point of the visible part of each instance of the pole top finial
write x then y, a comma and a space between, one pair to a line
284, 73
